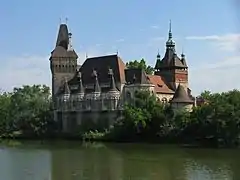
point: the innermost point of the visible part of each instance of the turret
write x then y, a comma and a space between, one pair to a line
66, 92
96, 87
181, 100
158, 62
112, 81
80, 91
113, 94
170, 44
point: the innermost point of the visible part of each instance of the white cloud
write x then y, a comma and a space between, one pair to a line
218, 77
154, 27
227, 42
27, 69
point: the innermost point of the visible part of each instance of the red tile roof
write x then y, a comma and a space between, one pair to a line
160, 85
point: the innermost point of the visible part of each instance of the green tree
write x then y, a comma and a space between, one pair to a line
140, 65
27, 110
143, 119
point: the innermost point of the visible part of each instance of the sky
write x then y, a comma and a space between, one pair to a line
206, 31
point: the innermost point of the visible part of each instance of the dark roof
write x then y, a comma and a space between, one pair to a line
72, 53
63, 38
59, 51
181, 96
171, 59
62, 43
101, 65
136, 76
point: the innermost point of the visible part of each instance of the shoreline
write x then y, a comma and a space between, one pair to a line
78, 139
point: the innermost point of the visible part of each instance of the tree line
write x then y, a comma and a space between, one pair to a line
27, 111
216, 123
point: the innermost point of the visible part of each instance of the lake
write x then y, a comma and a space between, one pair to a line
96, 161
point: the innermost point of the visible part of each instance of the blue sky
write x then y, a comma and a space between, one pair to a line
208, 31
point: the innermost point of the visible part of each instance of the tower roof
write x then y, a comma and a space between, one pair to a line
63, 44
181, 96
170, 58
170, 43
62, 38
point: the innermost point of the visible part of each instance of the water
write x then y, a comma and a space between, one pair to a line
76, 161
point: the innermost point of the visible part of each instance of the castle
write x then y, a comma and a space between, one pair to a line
97, 90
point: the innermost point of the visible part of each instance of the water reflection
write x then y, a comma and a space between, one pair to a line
16, 164
70, 161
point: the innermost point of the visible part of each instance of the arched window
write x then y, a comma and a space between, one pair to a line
164, 100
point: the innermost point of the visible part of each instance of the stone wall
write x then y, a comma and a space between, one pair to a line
74, 122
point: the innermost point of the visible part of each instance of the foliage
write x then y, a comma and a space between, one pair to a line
140, 65
25, 111
215, 123
142, 119
96, 135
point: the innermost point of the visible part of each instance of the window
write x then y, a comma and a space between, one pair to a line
164, 100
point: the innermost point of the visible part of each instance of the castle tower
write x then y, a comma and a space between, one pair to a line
181, 100
80, 90
172, 68
63, 60
113, 94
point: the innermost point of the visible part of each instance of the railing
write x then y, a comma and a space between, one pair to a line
90, 105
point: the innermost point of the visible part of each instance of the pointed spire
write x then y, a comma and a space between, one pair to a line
182, 55
62, 38
158, 62
170, 30
170, 43
112, 80
97, 88
80, 85
158, 55
66, 87
181, 96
